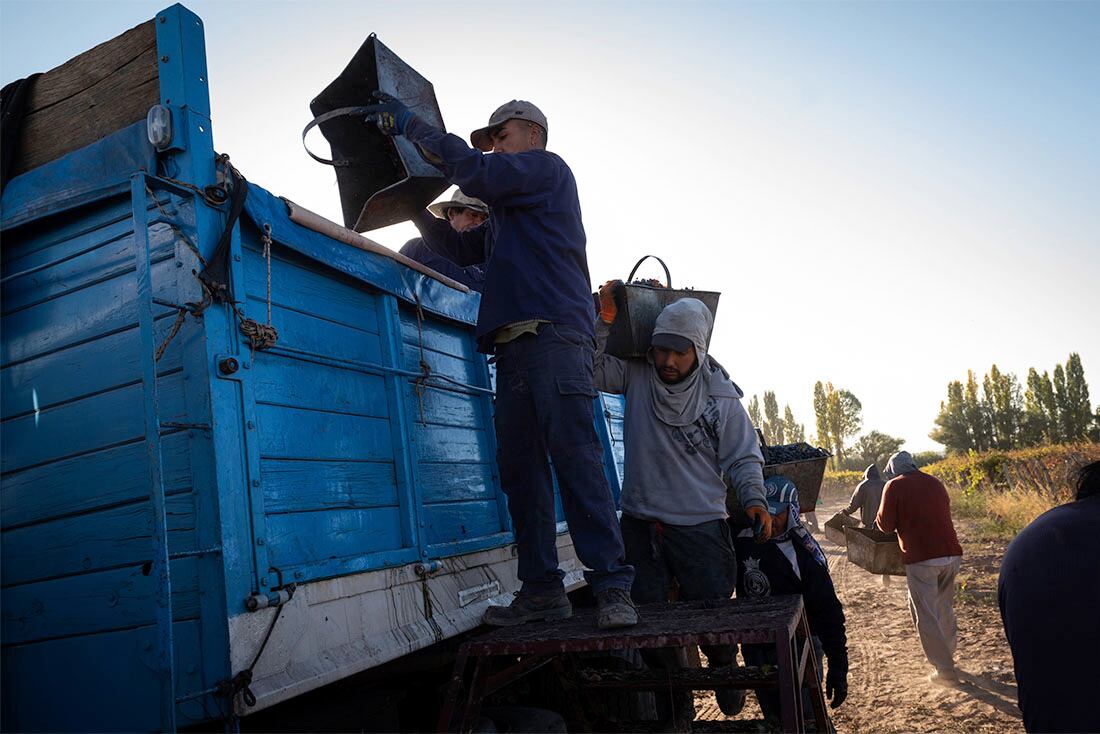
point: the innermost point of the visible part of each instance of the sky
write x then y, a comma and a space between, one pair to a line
887, 194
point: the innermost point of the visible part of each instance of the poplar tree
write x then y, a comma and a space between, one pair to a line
795, 432
1004, 408
821, 416
754, 412
1078, 408
952, 428
773, 427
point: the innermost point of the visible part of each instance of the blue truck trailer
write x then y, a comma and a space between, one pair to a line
241, 458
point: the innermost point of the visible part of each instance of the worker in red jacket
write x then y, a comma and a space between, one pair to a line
915, 504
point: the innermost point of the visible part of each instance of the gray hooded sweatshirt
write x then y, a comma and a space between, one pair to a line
900, 463
867, 497
684, 441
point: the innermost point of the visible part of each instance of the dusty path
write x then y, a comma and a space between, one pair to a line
887, 687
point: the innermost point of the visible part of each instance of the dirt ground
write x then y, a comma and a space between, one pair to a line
887, 687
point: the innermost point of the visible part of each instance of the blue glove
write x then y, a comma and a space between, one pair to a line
390, 114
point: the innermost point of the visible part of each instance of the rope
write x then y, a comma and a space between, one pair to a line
260, 336
242, 681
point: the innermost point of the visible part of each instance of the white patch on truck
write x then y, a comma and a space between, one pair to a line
478, 593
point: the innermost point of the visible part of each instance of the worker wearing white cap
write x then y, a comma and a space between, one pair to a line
463, 213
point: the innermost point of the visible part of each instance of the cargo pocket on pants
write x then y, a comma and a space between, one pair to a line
576, 387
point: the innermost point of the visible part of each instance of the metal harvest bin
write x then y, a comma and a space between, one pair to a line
382, 180
834, 528
875, 551
639, 304
807, 475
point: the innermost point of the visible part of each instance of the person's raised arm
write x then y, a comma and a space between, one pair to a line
509, 179
461, 248
610, 374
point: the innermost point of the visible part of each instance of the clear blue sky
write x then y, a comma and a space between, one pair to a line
887, 194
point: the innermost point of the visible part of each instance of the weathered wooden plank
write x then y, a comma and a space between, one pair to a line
446, 408
298, 486
449, 481
94, 602
311, 537
81, 370
303, 289
292, 433
441, 336
448, 443
71, 271
81, 315
85, 425
453, 522
90, 96
466, 372
23, 251
291, 382
112, 666
103, 478
27, 240
318, 336
117, 536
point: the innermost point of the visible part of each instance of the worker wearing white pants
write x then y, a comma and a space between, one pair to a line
916, 505
931, 602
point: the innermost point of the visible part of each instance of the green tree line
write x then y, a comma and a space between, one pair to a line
777, 430
1000, 413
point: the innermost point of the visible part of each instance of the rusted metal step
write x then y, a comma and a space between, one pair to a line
700, 679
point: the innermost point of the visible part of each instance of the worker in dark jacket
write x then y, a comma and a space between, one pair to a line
463, 213
867, 496
1049, 594
536, 316
793, 563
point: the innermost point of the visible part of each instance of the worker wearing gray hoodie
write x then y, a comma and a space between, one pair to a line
867, 496
687, 435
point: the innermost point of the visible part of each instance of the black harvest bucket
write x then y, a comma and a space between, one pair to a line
383, 180
639, 304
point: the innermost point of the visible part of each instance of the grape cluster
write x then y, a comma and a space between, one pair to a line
792, 452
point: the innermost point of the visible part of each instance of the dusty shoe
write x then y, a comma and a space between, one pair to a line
945, 677
730, 700
615, 608
529, 608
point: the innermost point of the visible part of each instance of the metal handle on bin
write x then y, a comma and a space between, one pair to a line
349, 111
668, 276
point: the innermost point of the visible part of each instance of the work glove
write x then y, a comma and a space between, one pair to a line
390, 114
836, 685
761, 522
608, 308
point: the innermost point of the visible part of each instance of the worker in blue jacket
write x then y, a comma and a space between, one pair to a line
793, 563
537, 318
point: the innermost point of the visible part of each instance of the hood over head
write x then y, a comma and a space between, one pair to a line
872, 472
682, 404
900, 463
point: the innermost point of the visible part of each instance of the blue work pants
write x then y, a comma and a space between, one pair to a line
544, 413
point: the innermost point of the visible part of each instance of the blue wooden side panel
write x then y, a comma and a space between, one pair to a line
612, 408
463, 508
77, 596
329, 482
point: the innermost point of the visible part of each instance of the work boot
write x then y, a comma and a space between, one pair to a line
615, 608
528, 607
730, 700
